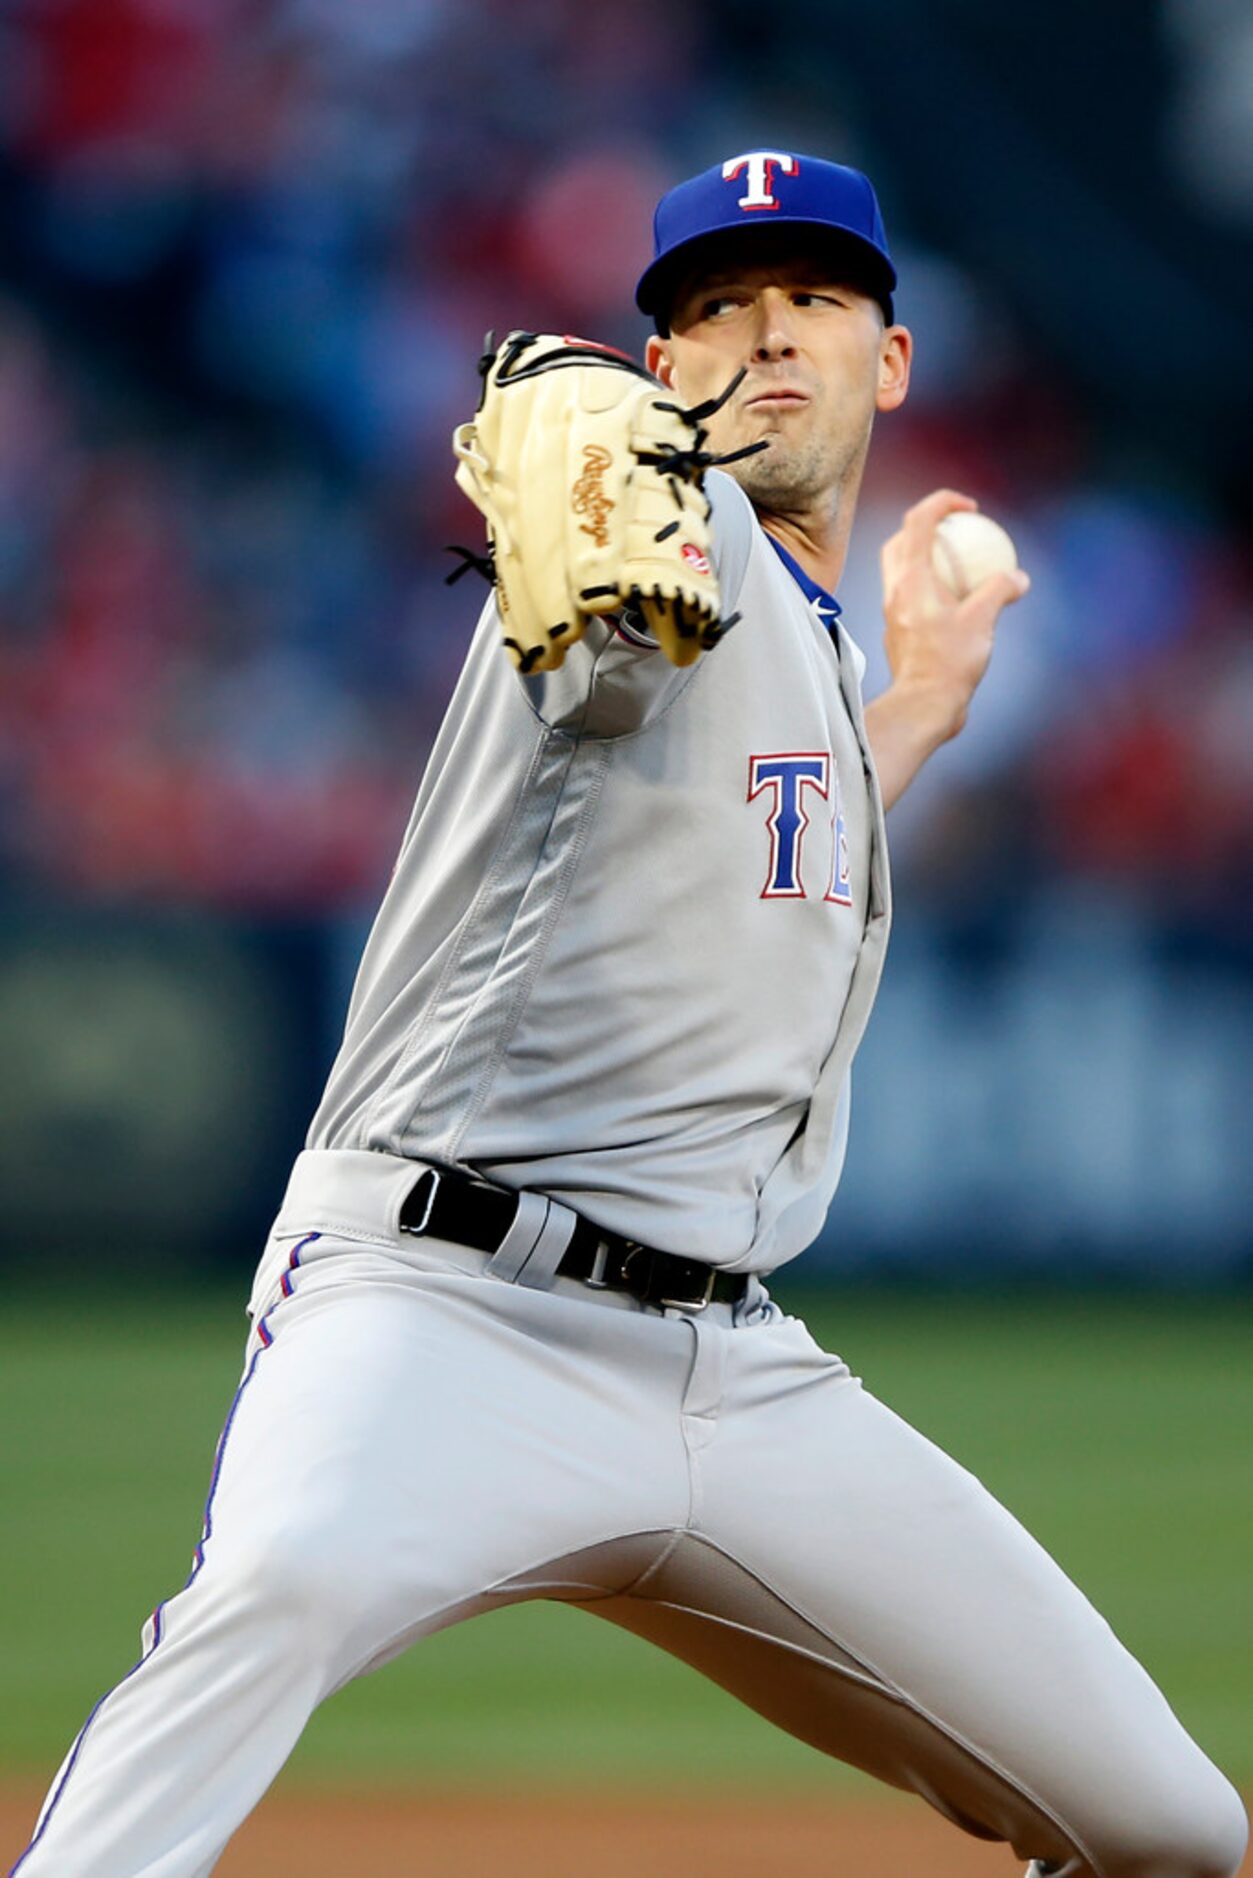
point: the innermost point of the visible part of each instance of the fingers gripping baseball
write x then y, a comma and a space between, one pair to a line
940, 605
591, 482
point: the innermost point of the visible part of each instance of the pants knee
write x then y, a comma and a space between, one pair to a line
1206, 1837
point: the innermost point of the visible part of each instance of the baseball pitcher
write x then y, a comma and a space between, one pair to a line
511, 1333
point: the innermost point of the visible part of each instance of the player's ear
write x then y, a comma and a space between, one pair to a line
657, 359
896, 351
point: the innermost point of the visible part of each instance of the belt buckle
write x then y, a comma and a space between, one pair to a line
693, 1306
417, 1231
646, 1295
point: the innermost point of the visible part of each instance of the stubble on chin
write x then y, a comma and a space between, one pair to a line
778, 476
790, 474
801, 474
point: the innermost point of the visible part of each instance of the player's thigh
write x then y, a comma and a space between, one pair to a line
865, 1591
405, 1440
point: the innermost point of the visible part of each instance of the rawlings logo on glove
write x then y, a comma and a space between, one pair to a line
588, 495
591, 481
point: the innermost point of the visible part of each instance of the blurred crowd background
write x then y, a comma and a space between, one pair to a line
248, 253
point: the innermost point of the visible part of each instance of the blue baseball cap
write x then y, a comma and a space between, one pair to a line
770, 188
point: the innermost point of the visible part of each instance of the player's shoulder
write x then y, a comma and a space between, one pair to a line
734, 526
732, 510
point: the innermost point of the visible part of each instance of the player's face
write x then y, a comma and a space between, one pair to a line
819, 363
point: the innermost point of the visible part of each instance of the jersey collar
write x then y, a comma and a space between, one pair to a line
825, 606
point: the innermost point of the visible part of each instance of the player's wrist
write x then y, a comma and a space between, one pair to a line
932, 709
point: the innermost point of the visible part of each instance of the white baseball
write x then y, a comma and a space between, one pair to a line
967, 548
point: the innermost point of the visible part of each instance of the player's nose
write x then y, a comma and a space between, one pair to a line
773, 336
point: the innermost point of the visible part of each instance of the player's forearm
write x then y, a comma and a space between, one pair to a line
906, 725
938, 639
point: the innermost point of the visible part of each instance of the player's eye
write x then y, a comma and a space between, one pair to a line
715, 304
809, 296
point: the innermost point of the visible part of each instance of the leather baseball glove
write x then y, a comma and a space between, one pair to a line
591, 480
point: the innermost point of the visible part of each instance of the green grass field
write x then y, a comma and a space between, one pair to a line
1119, 1431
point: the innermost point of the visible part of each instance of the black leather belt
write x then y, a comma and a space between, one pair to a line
448, 1206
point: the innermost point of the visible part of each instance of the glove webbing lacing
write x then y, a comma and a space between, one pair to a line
673, 464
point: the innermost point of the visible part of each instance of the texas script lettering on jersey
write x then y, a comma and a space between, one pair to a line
784, 776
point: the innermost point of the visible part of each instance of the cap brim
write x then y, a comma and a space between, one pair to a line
874, 272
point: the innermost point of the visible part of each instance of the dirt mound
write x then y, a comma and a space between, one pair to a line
311, 1835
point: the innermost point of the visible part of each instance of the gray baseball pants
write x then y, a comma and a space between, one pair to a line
420, 1437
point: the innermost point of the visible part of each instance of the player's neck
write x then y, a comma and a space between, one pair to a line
818, 542
817, 535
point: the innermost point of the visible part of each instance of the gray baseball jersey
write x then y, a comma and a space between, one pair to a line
636, 928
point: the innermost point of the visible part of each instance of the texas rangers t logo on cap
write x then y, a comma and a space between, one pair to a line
761, 165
